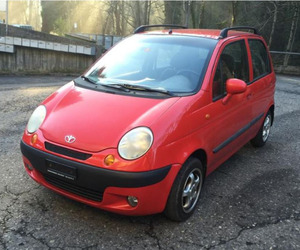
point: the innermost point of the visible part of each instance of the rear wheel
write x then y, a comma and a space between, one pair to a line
263, 134
185, 191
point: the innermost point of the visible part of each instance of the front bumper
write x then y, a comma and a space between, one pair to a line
99, 187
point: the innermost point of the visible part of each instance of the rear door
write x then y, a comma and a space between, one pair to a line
262, 84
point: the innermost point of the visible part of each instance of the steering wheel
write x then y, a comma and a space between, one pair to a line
187, 72
190, 74
166, 73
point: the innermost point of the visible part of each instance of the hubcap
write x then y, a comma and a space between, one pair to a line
191, 190
266, 128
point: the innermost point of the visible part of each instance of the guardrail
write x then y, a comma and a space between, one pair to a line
106, 41
285, 53
286, 62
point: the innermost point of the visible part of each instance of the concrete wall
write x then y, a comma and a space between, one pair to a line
26, 60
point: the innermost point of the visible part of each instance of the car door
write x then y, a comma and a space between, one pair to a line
229, 121
262, 84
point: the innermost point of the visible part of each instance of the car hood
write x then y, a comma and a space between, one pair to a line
96, 119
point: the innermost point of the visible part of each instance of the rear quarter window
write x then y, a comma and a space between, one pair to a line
260, 59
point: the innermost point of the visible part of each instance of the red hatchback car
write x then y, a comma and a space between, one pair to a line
141, 129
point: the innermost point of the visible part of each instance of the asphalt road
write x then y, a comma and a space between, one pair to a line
251, 202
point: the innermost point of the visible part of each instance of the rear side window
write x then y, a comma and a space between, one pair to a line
260, 59
233, 63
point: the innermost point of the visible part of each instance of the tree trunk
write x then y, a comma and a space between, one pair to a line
146, 6
201, 13
149, 12
137, 14
194, 11
233, 16
273, 23
122, 18
173, 12
187, 7
292, 33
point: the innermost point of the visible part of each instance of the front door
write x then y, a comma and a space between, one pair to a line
229, 120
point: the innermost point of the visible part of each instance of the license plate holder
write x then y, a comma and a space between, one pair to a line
61, 170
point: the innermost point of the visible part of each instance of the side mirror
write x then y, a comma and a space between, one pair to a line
234, 86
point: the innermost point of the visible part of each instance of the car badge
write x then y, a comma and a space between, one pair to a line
70, 138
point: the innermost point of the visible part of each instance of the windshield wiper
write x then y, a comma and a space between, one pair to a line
115, 86
128, 87
105, 85
88, 79
142, 88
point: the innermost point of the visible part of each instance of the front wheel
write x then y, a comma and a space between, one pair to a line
185, 191
263, 134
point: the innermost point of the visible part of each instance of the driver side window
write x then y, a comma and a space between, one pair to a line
233, 63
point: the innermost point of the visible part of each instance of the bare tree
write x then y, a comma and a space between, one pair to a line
187, 10
197, 11
233, 14
201, 13
173, 12
293, 30
275, 13
147, 11
117, 15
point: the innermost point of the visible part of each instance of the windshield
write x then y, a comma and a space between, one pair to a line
174, 64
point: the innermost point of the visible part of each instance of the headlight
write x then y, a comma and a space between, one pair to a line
135, 143
36, 119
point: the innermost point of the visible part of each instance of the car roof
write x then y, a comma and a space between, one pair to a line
208, 33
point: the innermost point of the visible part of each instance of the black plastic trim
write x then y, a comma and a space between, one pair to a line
237, 134
224, 32
91, 177
259, 77
65, 151
142, 28
70, 187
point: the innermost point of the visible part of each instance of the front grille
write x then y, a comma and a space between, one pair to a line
66, 151
74, 189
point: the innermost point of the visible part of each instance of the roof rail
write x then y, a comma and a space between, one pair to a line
144, 27
224, 32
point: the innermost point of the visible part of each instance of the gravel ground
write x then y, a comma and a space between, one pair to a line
252, 201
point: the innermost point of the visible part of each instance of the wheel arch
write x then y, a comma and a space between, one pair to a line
202, 156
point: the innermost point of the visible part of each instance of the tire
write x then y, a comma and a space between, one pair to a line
263, 134
185, 191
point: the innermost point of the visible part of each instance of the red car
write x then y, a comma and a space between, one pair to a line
141, 129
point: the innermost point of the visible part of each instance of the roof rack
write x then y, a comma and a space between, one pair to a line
224, 32
144, 27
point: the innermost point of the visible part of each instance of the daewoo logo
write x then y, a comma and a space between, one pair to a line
70, 138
